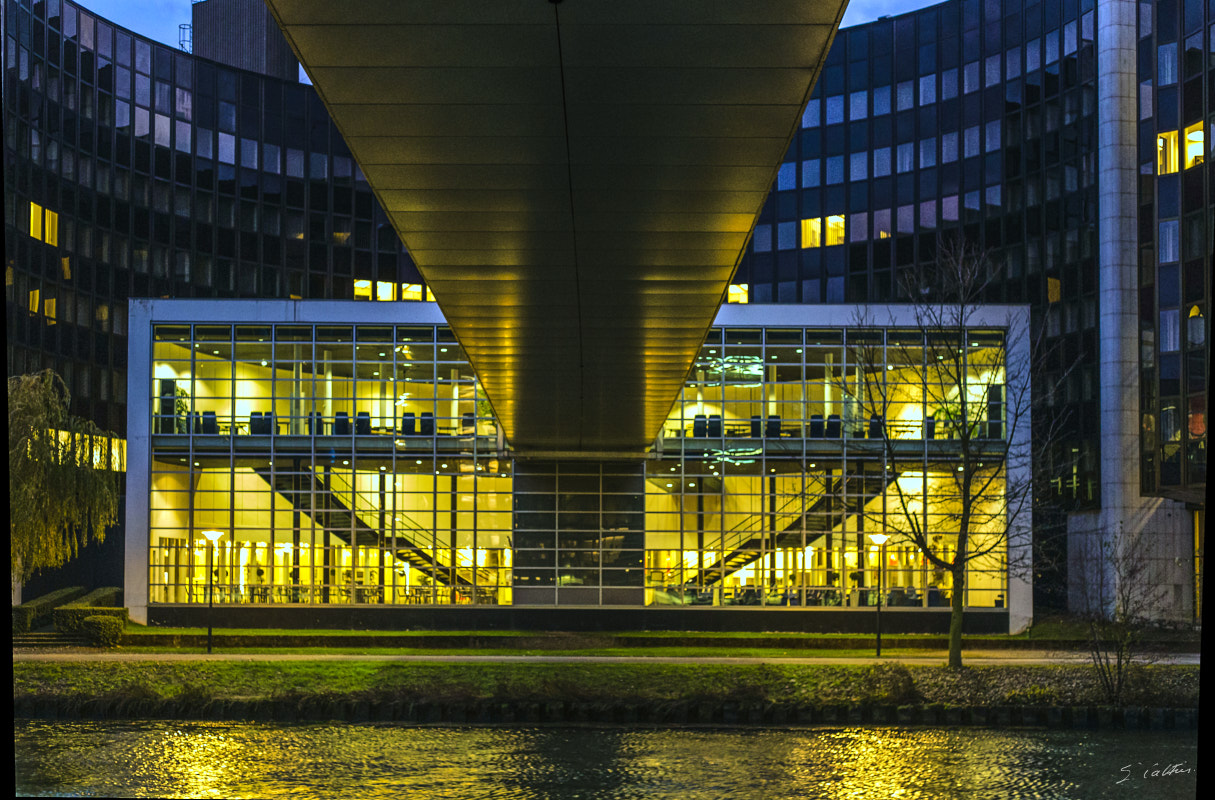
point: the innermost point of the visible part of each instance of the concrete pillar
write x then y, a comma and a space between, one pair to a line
1124, 514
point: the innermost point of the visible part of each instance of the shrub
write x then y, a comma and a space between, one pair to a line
37, 612
102, 630
890, 683
70, 618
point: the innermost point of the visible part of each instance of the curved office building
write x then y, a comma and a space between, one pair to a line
135, 170
292, 457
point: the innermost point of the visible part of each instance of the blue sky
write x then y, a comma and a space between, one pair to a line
158, 19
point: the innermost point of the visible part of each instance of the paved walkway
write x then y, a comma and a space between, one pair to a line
972, 658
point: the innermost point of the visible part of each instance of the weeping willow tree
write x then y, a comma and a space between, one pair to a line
62, 490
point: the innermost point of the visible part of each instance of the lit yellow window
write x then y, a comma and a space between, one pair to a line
102, 313
738, 293
48, 310
812, 232
36, 222
362, 290
1166, 153
385, 291
430, 296
35, 300
65, 264
1053, 290
50, 229
341, 237
835, 230
1193, 145
411, 291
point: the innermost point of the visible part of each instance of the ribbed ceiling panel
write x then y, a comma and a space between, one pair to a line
576, 181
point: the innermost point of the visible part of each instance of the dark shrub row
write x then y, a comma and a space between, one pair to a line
37, 612
105, 601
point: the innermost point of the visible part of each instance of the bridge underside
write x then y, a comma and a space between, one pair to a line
576, 181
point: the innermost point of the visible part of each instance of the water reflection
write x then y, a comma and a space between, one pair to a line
212, 759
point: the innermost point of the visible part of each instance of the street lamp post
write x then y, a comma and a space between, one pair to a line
880, 539
212, 538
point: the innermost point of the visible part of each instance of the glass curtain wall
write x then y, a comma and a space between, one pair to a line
788, 448
338, 464
361, 464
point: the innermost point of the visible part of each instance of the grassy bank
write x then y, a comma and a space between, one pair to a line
195, 685
632, 652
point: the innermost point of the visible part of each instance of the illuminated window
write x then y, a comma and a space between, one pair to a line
411, 291
36, 222
738, 293
50, 228
812, 232
65, 265
384, 291
35, 301
1193, 145
1195, 327
1053, 291
430, 296
48, 310
835, 230
362, 290
1166, 153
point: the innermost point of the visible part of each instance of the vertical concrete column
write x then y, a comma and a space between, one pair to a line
1117, 206
1125, 515
139, 451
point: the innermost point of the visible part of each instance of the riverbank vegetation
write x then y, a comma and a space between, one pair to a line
189, 687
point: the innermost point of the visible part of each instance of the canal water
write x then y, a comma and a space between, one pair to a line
229, 759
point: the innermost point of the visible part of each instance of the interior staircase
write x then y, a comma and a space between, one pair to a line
300, 488
745, 543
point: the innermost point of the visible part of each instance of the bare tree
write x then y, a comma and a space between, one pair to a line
1118, 596
951, 408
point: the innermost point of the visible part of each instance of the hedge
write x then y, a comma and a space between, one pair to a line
102, 630
37, 612
68, 616
70, 619
105, 597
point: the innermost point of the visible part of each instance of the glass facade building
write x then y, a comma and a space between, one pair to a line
134, 170
1176, 79
346, 462
970, 120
